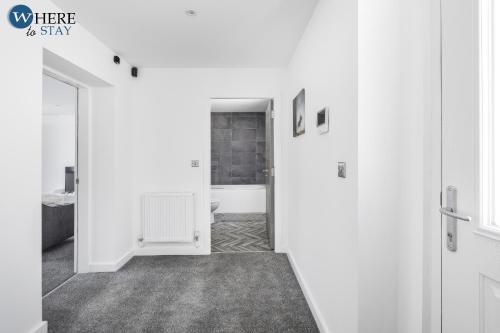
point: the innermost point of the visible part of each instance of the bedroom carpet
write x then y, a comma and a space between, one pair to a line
223, 293
239, 233
57, 265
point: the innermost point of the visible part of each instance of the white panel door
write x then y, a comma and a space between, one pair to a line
471, 274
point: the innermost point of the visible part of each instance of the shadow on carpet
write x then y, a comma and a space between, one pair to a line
246, 292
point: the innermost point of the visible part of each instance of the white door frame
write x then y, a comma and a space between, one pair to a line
82, 216
277, 226
432, 307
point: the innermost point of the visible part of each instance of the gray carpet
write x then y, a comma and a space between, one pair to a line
240, 233
233, 293
57, 265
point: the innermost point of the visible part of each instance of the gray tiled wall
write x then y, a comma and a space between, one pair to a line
238, 148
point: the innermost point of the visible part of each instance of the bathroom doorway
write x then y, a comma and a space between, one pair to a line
242, 175
59, 196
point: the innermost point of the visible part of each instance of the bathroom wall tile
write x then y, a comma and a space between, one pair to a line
238, 148
260, 178
221, 147
261, 119
225, 164
215, 179
237, 181
261, 134
221, 120
244, 115
243, 180
243, 147
221, 135
240, 122
243, 158
243, 170
260, 161
261, 147
244, 135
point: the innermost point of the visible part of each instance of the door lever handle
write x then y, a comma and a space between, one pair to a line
448, 212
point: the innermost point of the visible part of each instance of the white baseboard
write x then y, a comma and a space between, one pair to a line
171, 250
156, 251
279, 249
111, 266
307, 294
40, 328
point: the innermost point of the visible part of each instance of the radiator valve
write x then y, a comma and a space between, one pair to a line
196, 238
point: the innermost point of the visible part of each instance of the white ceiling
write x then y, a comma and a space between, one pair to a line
239, 104
58, 97
225, 33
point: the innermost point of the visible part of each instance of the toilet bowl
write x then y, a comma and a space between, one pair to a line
214, 204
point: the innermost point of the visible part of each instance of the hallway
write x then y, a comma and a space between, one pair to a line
247, 292
250, 166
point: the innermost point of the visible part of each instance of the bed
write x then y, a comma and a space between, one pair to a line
58, 212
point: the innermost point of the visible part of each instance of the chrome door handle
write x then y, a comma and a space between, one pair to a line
265, 171
450, 213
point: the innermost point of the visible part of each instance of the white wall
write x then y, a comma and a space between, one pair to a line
20, 145
414, 94
21, 303
171, 127
58, 149
374, 65
395, 87
321, 208
108, 143
379, 119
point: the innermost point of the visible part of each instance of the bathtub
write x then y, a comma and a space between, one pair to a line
240, 198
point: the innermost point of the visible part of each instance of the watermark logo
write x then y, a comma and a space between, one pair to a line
21, 16
41, 24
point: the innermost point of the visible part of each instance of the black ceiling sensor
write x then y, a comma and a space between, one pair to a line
116, 59
134, 71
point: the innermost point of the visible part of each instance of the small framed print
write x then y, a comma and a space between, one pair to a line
322, 121
299, 113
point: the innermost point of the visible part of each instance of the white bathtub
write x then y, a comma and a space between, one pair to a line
240, 198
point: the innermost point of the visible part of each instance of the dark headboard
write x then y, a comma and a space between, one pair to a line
69, 180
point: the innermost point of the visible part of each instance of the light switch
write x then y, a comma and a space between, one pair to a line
195, 164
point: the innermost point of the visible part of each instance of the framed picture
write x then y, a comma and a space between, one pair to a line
299, 113
322, 121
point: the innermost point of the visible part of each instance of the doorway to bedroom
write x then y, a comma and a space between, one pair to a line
59, 198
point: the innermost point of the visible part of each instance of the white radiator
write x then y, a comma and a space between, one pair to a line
168, 217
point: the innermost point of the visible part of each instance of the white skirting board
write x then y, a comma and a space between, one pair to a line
111, 266
170, 249
310, 300
40, 328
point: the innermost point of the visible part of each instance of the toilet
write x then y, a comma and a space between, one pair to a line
214, 204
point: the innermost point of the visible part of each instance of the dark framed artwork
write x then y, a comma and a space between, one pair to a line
299, 113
